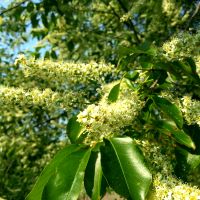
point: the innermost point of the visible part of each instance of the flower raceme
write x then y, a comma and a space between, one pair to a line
107, 119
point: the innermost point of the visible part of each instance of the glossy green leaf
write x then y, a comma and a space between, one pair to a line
129, 83
133, 75
73, 129
124, 168
182, 138
192, 64
179, 135
44, 21
115, 178
114, 93
67, 180
141, 49
36, 193
194, 74
192, 160
169, 109
95, 183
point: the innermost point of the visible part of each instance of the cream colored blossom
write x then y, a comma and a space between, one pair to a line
191, 110
168, 6
66, 74
172, 9
165, 185
181, 46
106, 119
20, 59
171, 188
48, 99
125, 17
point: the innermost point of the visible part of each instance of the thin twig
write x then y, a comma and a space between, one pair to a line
12, 8
130, 23
193, 15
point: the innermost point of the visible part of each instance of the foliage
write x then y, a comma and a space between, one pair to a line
131, 126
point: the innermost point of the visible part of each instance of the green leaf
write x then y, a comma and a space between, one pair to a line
124, 168
66, 182
179, 135
53, 54
141, 49
114, 93
36, 193
124, 51
34, 20
44, 21
71, 45
192, 64
192, 160
146, 61
73, 129
170, 109
129, 84
124, 64
30, 7
95, 183
132, 75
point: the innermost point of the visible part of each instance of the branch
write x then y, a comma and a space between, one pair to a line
92, 10
129, 23
12, 8
193, 15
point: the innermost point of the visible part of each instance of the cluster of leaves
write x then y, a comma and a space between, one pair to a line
90, 30
21, 161
116, 161
35, 124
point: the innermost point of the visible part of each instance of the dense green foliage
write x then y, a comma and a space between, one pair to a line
117, 96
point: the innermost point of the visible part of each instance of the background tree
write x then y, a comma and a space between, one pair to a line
39, 97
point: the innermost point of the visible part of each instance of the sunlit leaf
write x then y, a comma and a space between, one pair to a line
73, 129
67, 180
114, 93
192, 160
180, 136
169, 109
124, 168
94, 181
36, 193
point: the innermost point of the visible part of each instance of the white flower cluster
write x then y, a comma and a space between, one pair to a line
172, 9
168, 6
152, 152
125, 17
106, 119
171, 188
59, 73
184, 45
165, 185
191, 110
48, 99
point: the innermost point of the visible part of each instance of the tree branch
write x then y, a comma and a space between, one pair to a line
129, 23
193, 15
12, 8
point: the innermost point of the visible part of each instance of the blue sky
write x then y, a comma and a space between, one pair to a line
29, 45
4, 3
